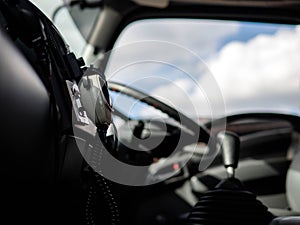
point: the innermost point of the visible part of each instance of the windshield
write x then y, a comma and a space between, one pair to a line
252, 67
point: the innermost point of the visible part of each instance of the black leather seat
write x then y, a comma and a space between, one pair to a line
26, 137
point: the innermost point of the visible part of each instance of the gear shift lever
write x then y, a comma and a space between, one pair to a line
229, 202
230, 145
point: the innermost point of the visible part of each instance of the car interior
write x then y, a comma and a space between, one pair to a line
65, 159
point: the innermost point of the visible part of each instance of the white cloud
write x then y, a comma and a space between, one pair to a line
265, 70
140, 60
184, 32
261, 74
173, 41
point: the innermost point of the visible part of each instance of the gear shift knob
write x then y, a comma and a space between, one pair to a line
230, 145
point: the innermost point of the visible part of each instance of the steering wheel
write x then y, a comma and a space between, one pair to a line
198, 130
196, 133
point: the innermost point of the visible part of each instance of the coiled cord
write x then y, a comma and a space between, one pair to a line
103, 186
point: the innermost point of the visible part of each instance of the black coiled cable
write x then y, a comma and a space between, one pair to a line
103, 186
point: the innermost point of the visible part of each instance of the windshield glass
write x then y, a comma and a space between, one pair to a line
255, 66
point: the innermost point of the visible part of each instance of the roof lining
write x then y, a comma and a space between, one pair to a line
251, 14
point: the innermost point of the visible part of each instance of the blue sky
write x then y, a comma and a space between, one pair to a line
249, 30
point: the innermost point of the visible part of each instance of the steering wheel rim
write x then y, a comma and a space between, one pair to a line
204, 134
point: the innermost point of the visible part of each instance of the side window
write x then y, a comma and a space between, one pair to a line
64, 24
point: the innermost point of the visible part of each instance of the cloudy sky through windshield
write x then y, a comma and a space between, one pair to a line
255, 65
